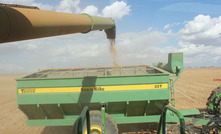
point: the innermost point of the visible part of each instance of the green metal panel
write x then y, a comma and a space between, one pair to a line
70, 120
93, 97
186, 112
46, 106
175, 61
92, 81
129, 104
156, 118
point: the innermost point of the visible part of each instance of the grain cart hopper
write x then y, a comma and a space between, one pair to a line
132, 94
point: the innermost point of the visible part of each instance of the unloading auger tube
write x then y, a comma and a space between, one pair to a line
23, 23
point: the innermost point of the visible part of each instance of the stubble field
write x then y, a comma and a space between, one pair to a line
191, 90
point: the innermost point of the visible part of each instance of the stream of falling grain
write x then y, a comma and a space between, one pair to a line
114, 52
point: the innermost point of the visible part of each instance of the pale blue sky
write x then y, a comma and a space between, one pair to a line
155, 13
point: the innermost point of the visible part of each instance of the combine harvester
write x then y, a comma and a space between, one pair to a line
113, 95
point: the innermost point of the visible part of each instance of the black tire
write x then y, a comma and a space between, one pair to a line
95, 120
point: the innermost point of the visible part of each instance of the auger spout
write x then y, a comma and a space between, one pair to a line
23, 23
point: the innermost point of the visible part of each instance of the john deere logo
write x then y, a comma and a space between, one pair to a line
28, 90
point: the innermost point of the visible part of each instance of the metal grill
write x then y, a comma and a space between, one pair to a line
94, 71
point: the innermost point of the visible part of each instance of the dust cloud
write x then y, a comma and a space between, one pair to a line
114, 52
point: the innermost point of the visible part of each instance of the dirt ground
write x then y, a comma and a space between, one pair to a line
194, 87
191, 90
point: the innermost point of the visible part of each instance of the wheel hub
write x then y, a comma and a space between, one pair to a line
94, 130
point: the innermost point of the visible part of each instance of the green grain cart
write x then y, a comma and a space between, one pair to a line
129, 94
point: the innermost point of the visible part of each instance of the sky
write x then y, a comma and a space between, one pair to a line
147, 30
